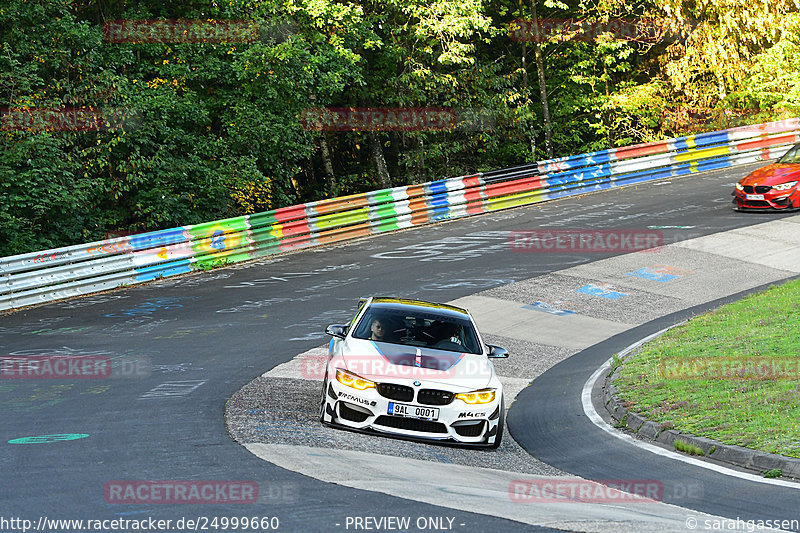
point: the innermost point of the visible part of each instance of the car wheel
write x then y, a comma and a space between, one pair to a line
500, 423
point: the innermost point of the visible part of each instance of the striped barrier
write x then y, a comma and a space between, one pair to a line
39, 277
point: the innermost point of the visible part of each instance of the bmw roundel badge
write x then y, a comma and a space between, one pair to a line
417, 383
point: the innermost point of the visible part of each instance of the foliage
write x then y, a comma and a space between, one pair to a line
215, 128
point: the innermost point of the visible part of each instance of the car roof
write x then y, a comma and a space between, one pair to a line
399, 303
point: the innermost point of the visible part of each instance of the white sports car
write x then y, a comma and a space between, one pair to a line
413, 369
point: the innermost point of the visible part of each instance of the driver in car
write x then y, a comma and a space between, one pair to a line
378, 330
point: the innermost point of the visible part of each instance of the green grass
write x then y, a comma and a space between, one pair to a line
732, 375
685, 447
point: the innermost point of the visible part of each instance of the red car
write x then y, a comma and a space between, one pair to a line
776, 186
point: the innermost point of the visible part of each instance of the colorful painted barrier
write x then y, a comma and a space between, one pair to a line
82, 269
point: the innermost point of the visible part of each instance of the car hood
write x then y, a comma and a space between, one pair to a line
773, 174
382, 362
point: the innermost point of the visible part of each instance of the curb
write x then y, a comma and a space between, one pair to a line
712, 449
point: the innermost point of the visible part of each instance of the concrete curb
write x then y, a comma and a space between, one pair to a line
653, 431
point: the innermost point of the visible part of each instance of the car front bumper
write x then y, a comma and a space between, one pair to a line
369, 411
772, 200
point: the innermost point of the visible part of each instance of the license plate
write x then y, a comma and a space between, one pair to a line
413, 411
754, 196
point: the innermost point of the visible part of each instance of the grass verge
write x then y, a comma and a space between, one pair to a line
732, 375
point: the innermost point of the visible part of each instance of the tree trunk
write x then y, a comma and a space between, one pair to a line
327, 166
376, 153
537, 52
531, 136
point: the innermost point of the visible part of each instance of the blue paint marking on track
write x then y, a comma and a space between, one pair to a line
47, 439
547, 308
602, 291
652, 275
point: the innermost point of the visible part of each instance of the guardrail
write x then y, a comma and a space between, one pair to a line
39, 277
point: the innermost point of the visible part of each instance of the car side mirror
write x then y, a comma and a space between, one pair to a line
336, 331
496, 352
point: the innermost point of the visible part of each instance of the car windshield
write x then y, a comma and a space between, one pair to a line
418, 327
792, 156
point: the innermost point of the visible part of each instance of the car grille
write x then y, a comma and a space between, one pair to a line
758, 189
411, 424
399, 393
469, 430
434, 397
756, 203
351, 414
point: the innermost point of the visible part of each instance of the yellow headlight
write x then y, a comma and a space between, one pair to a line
478, 396
353, 380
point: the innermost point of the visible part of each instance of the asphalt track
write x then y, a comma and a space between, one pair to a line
548, 421
203, 337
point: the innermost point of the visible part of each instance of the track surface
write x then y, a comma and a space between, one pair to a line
205, 336
548, 420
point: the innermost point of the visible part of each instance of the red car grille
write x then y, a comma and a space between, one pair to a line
758, 189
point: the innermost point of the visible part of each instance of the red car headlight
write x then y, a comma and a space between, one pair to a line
784, 186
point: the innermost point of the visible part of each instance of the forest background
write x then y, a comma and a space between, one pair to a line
204, 127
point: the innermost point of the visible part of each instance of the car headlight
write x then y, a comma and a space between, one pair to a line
478, 396
353, 380
784, 186
739, 187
